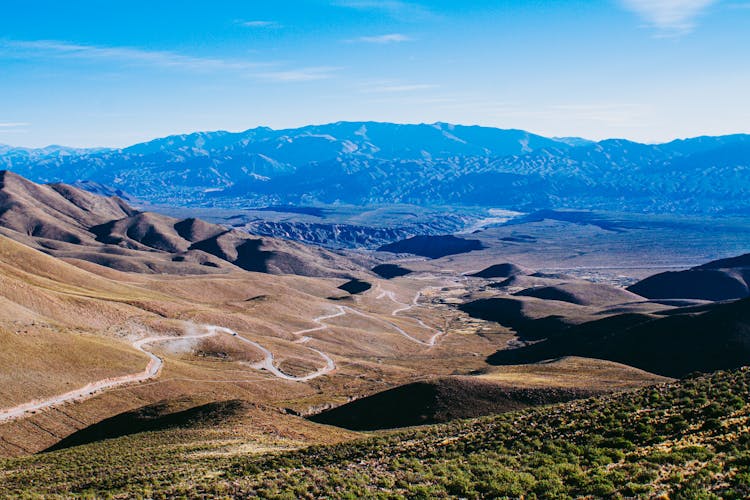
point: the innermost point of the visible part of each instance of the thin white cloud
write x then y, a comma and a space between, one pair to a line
383, 89
260, 24
383, 39
611, 114
670, 17
300, 75
167, 59
13, 124
162, 59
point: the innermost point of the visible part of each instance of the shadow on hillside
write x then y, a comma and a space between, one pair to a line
158, 416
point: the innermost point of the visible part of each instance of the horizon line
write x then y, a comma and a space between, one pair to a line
558, 138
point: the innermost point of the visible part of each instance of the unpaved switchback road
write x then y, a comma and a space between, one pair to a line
319, 320
153, 368
342, 310
407, 307
268, 358
155, 362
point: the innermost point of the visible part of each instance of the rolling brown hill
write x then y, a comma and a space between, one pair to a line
504, 270
548, 306
704, 339
724, 279
70, 223
582, 293
555, 318
64, 327
55, 211
494, 390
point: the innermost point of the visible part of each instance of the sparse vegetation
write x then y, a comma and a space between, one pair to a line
688, 439
217, 423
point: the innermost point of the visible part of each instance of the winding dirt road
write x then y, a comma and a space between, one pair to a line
268, 358
153, 368
319, 320
406, 307
155, 362
342, 310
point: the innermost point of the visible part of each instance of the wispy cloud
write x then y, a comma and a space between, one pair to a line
396, 88
62, 49
12, 129
383, 39
670, 17
405, 11
259, 24
162, 59
300, 75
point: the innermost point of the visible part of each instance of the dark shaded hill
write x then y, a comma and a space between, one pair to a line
439, 400
433, 247
704, 284
512, 313
742, 262
504, 270
155, 417
724, 279
582, 293
390, 271
355, 286
674, 345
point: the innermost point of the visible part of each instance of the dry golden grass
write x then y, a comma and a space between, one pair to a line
80, 318
44, 361
572, 373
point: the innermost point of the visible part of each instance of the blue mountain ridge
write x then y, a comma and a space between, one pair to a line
366, 163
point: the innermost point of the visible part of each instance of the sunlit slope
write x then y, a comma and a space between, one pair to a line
687, 439
56, 324
278, 341
68, 222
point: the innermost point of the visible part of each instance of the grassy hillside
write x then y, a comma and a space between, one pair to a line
688, 439
440, 400
491, 391
64, 327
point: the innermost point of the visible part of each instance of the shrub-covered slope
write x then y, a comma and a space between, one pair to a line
686, 440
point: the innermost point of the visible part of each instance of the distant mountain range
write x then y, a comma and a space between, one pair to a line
383, 163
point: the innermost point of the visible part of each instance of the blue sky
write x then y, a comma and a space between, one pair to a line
112, 73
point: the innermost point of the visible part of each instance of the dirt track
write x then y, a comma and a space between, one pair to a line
155, 362
152, 370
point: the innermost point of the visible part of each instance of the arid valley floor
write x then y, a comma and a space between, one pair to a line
155, 352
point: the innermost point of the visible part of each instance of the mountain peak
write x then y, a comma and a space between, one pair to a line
368, 163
